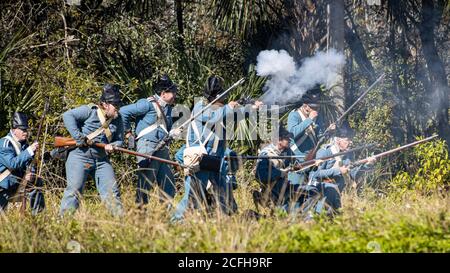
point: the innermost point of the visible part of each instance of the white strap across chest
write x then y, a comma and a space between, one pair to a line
17, 149
15, 144
103, 128
198, 136
160, 120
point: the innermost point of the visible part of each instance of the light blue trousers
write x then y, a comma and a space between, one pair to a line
151, 171
79, 165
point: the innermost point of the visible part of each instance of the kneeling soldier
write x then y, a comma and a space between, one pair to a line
15, 156
88, 124
333, 175
272, 173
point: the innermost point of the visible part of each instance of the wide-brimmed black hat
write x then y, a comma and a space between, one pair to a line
111, 94
344, 131
20, 121
164, 83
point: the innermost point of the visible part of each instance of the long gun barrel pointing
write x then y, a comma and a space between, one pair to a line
255, 157
309, 163
365, 160
312, 153
33, 166
236, 84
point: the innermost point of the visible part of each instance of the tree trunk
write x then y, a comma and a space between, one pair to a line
356, 46
436, 71
179, 14
335, 27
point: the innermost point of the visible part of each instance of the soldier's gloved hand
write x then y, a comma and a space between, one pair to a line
29, 176
131, 141
33, 147
344, 169
109, 148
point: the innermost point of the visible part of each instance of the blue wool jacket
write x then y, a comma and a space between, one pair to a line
144, 114
327, 171
266, 171
204, 122
297, 127
83, 120
16, 163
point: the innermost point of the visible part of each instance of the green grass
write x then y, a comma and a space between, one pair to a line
410, 223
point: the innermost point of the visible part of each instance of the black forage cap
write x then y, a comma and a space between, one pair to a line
312, 96
284, 134
164, 83
213, 87
20, 120
111, 94
345, 131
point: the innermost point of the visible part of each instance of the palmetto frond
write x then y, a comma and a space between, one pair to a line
243, 17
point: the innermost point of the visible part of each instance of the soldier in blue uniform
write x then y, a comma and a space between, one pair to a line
306, 126
153, 119
207, 132
272, 173
333, 175
88, 124
15, 156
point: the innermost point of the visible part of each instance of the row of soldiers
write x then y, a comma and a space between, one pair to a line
148, 121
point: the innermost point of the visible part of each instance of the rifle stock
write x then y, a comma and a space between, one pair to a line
70, 142
64, 142
312, 154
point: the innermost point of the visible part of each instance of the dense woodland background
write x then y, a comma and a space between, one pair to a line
66, 50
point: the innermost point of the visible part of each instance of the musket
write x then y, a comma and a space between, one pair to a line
313, 152
365, 160
68, 142
31, 168
163, 142
303, 164
314, 162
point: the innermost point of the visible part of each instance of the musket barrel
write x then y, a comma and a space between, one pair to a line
211, 103
168, 138
309, 163
312, 154
360, 98
365, 160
